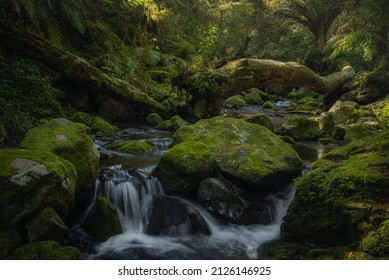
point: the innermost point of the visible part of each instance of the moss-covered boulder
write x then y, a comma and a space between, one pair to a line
102, 222
262, 120
235, 102
47, 225
253, 98
46, 250
181, 168
81, 117
173, 124
31, 180
153, 119
132, 147
70, 141
300, 128
341, 199
9, 241
339, 131
248, 154
345, 112
100, 125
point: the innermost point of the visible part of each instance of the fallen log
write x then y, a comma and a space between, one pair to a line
248, 73
75, 69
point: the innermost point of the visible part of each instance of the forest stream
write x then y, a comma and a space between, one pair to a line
129, 182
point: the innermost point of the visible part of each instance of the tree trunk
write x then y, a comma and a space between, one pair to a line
248, 73
75, 69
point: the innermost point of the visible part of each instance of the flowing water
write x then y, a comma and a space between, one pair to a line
190, 231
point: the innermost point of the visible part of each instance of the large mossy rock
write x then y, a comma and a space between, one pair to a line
300, 128
47, 225
46, 250
32, 180
181, 168
344, 195
253, 98
102, 222
248, 154
70, 141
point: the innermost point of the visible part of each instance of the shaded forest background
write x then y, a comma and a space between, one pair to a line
151, 44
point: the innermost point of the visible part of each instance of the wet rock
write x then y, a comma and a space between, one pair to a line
248, 154
32, 180
172, 217
70, 141
102, 222
181, 168
339, 132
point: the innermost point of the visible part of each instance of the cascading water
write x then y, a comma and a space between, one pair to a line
133, 196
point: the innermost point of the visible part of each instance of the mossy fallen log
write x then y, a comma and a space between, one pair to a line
248, 73
75, 69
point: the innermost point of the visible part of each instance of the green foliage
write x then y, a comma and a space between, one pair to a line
26, 95
50, 17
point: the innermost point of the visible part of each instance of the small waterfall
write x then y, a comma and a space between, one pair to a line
194, 234
283, 103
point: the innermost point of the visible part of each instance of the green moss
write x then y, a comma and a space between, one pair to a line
327, 140
345, 112
47, 225
70, 141
46, 250
246, 152
288, 139
32, 179
132, 147
173, 124
103, 222
260, 120
235, 102
81, 117
183, 167
101, 125
153, 119
301, 128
